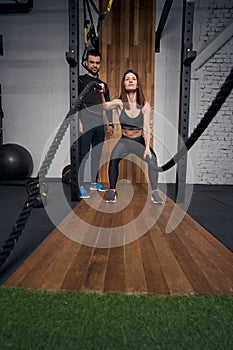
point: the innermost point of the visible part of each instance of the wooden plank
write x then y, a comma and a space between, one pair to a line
32, 279
74, 277
175, 277
200, 256
95, 273
125, 27
219, 282
115, 274
195, 276
211, 240
133, 258
198, 281
33, 260
155, 280
134, 271
127, 40
42, 260
94, 278
57, 270
136, 23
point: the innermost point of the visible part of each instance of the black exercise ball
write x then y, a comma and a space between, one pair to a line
15, 162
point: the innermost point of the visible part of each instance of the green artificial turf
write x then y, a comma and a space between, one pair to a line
32, 320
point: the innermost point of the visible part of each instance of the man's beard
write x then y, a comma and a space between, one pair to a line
91, 71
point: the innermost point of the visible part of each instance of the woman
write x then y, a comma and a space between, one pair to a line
134, 118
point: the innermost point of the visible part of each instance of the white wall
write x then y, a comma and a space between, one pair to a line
212, 156
167, 77
35, 77
213, 153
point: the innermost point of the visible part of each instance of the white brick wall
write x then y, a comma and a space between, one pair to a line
212, 155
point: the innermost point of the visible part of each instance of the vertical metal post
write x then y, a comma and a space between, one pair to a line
73, 59
1, 117
187, 56
162, 22
1, 111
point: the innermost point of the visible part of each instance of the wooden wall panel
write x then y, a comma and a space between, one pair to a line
127, 40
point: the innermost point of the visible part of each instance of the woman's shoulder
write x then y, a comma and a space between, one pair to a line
146, 106
117, 102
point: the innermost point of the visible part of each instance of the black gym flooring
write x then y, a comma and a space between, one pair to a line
211, 206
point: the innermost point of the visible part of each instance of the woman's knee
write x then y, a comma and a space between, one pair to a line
154, 156
152, 162
119, 151
113, 163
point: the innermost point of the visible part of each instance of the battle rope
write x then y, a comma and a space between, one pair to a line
215, 106
33, 185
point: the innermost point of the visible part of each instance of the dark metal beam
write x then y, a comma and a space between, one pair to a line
1, 117
1, 45
16, 7
72, 58
162, 22
1, 111
187, 56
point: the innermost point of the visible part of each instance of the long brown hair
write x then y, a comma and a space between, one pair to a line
140, 98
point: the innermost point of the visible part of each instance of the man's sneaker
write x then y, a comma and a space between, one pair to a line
83, 192
111, 198
98, 187
155, 197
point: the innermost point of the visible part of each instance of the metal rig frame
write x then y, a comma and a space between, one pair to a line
72, 58
187, 57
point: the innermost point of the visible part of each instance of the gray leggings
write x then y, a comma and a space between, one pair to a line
124, 147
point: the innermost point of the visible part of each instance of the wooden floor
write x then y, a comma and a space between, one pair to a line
126, 247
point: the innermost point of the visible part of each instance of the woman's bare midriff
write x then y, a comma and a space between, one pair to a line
132, 133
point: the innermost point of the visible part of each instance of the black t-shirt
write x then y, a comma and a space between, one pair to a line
91, 109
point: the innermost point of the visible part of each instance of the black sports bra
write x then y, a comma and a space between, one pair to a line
128, 123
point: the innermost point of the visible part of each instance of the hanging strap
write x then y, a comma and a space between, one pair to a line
103, 16
89, 28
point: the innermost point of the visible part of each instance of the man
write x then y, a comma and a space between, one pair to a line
91, 125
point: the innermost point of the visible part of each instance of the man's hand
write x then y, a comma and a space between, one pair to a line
80, 126
100, 89
110, 129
